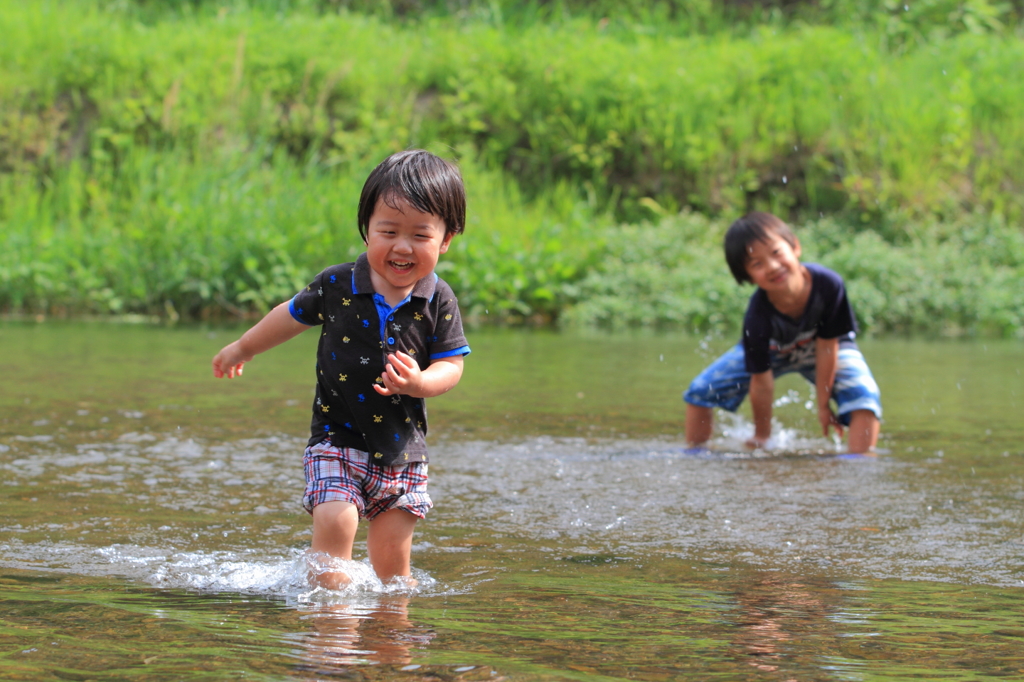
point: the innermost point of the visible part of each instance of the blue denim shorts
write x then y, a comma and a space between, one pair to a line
726, 381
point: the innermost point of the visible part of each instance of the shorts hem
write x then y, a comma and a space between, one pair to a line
415, 510
847, 408
709, 404
315, 499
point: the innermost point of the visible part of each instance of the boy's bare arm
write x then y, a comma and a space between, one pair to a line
762, 392
275, 328
402, 375
826, 354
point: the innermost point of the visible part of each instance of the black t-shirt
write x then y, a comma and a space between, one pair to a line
359, 330
767, 333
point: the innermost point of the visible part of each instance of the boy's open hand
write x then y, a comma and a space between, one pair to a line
402, 375
827, 418
228, 362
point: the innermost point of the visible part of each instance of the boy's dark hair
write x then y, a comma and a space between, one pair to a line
428, 182
752, 227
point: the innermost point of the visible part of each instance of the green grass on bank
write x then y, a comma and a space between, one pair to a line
235, 235
901, 23
804, 118
949, 279
207, 163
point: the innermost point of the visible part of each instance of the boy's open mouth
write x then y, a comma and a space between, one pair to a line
401, 265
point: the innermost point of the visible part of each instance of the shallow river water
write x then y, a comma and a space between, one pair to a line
150, 526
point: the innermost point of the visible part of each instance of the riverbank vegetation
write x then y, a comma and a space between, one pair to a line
197, 159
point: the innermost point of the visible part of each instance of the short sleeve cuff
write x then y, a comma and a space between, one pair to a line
297, 312
464, 350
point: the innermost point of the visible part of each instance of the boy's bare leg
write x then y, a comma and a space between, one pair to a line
334, 531
389, 543
863, 432
699, 424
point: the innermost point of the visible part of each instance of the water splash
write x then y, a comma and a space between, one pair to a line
285, 576
736, 430
225, 516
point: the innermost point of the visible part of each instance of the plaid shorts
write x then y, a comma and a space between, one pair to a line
346, 474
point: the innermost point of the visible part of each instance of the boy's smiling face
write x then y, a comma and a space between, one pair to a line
774, 264
402, 246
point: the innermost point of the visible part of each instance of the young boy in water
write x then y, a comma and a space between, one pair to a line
798, 320
392, 336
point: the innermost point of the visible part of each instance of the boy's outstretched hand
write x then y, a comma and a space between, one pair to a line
827, 418
275, 328
228, 362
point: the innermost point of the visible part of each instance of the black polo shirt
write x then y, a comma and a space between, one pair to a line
359, 330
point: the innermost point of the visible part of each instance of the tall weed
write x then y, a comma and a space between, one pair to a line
238, 233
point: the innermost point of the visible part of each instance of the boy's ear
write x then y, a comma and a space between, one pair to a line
796, 247
445, 242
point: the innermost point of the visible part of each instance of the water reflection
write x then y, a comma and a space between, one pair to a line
775, 613
349, 634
